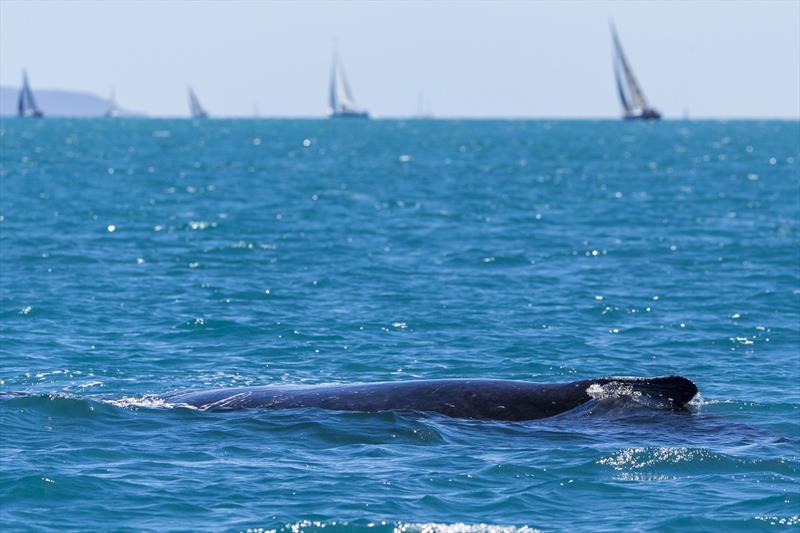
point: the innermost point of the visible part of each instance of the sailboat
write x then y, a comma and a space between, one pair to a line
26, 104
340, 100
195, 109
113, 110
634, 104
423, 111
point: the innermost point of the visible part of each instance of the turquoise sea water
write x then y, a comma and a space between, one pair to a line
144, 257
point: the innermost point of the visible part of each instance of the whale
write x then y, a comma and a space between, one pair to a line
490, 399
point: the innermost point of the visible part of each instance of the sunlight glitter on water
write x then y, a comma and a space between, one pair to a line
333, 261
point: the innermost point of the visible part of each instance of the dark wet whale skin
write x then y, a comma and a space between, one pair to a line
462, 398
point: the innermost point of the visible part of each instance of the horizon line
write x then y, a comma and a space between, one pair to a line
138, 115
706, 118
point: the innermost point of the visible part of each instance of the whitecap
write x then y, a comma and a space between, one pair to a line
148, 401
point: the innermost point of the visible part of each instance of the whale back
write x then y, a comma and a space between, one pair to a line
463, 398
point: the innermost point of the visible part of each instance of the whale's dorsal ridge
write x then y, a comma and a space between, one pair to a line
463, 398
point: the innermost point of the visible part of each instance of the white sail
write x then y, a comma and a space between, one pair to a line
113, 110
195, 109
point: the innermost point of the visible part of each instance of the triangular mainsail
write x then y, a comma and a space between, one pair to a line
26, 104
195, 109
620, 90
630, 93
332, 88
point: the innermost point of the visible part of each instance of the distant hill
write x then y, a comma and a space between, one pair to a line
59, 103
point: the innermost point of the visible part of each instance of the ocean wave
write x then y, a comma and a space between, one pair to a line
148, 401
683, 460
303, 526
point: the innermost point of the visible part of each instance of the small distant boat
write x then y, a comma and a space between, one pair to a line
113, 110
195, 109
341, 102
26, 104
634, 104
423, 110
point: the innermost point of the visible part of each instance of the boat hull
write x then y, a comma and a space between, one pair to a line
647, 114
350, 114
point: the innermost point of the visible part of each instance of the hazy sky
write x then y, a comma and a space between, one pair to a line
500, 59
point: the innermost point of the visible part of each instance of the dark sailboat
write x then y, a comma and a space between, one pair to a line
341, 102
26, 104
634, 104
195, 109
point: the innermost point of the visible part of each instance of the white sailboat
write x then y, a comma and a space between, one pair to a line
423, 110
113, 110
195, 109
26, 104
634, 104
341, 103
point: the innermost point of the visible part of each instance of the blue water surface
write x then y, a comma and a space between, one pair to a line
141, 257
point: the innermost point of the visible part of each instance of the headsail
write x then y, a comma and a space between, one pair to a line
195, 109
341, 101
26, 104
630, 93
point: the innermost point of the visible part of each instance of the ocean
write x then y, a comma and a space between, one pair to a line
142, 257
